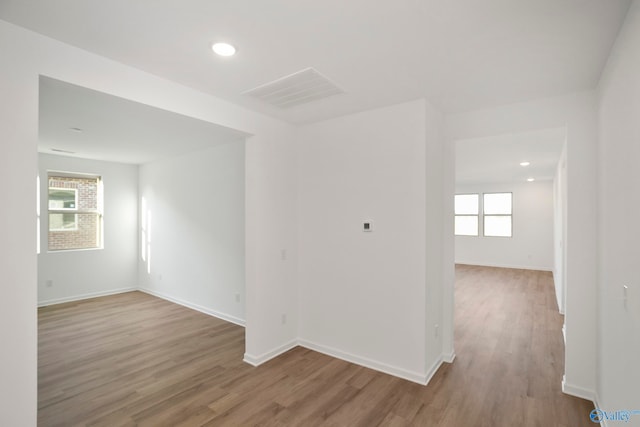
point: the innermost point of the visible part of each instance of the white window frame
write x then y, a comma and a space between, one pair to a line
61, 230
477, 216
75, 193
485, 215
63, 210
76, 211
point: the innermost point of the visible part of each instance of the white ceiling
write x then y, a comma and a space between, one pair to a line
497, 158
460, 54
116, 129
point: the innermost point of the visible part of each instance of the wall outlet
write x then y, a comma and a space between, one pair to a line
284, 319
49, 283
237, 297
283, 254
437, 330
367, 226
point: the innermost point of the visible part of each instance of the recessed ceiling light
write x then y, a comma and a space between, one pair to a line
525, 164
78, 130
531, 179
224, 49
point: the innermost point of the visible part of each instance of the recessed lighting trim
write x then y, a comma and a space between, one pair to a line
531, 179
525, 163
223, 49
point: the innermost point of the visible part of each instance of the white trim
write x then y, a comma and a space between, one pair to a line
265, 357
63, 209
67, 174
564, 333
201, 309
422, 379
558, 295
515, 267
449, 358
596, 403
348, 357
576, 391
372, 364
432, 371
85, 296
64, 251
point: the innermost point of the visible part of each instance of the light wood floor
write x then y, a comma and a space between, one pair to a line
133, 359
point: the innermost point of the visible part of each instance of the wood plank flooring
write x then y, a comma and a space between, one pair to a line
136, 360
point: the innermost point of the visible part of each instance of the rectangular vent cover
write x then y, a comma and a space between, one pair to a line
295, 89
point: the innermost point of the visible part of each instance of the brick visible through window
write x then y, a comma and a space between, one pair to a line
75, 217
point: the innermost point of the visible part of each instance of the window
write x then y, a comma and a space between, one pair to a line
467, 213
75, 212
497, 209
62, 199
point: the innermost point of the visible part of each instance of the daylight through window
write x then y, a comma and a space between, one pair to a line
75, 212
466, 214
497, 209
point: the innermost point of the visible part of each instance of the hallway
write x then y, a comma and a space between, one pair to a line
510, 354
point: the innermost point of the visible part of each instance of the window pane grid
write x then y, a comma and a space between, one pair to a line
467, 204
496, 212
466, 225
497, 219
497, 203
497, 225
467, 218
74, 212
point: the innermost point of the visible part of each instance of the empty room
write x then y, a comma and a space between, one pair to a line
338, 213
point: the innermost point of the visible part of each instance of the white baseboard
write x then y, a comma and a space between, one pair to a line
254, 360
372, 364
362, 361
576, 391
348, 357
196, 307
564, 333
596, 403
515, 267
449, 358
432, 371
265, 357
85, 296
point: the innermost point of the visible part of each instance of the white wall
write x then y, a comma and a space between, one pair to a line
271, 228
559, 229
439, 261
447, 249
531, 246
619, 228
270, 198
363, 294
87, 273
18, 265
196, 202
576, 112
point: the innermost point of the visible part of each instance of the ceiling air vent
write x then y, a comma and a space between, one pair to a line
295, 89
